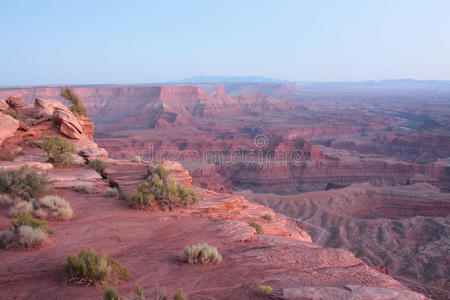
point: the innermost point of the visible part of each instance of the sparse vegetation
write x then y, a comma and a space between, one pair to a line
59, 150
13, 112
201, 254
83, 188
110, 192
89, 268
20, 207
179, 295
59, 207
27, 220
268, 217
5, 200
26, 232
136, 159
258, 227
24, 183
77, 107
160, 190
8, 157
264, 290
139, 294
30, 121
97, 164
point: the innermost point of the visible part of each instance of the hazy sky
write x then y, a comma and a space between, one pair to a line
83, 42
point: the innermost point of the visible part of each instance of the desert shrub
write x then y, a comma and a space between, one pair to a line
84, 188
8, 157
111, 294
258, 227
139, 294
5, 200
27, 220
40, 213
30, 121
77, 105
264, 290
7, 239
136, 159
24, 183
30, 237
179, 295
59, 150
110, 192
13, 112
160, 190
97, 164
268, 216
59, 207
20, 207
201, 254
90, 268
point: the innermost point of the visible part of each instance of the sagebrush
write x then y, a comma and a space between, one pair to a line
24, 183
59, 150
97, 164
161, 191
89, 268
201, 254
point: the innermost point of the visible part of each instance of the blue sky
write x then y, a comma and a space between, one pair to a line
88, 42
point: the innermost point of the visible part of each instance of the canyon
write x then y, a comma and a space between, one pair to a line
359, 166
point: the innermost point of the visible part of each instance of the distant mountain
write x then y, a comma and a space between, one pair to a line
225, 79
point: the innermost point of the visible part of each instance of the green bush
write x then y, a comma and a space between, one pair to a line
27, 220
59, 150
111, 294
25, 183
258, 227
13, 112
264, 290
179, 295
110, 192
77, 107
268, 216
160, 190
201, 254
89, 268
97, 164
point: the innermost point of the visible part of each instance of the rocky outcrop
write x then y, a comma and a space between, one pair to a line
8, 126
3, 105
15, 102
46, 107
68, 123
349, 292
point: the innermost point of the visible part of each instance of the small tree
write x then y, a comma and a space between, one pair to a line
77, 106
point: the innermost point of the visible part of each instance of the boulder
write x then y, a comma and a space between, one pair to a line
94, 153
69, 124
3, 105
46, 107
8, 127
70, 177
15, 102
78, 160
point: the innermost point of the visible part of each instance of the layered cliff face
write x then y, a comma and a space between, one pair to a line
404, 229
149, 242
